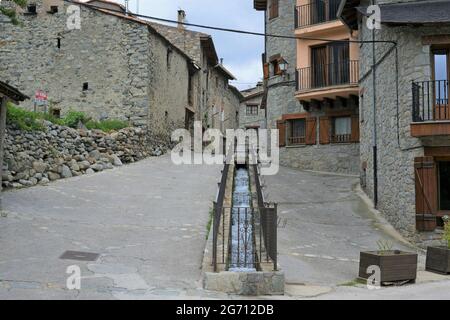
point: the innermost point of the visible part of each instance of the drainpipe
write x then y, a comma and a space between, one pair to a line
375, 146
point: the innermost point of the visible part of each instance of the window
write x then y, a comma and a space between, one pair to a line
275, 67
341, 129
85, 86
190, 90
53, 9
441, 75
330, 65
297, 131
252, 109
273, 9
169, 53
444, 185
31, 9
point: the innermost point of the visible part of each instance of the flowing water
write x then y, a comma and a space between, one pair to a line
242, 258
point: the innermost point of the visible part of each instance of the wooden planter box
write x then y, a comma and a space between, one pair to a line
394, 265
438, 260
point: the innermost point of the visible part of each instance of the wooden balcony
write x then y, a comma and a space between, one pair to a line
431, 109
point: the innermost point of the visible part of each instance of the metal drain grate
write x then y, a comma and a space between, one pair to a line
79, 255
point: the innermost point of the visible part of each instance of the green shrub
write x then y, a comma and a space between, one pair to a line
28, 120
73, 118
107, 125
25, 120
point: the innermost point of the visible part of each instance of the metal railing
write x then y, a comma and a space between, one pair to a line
328, 75
316, 12
341, 138
253, 244
430, 101
296, 140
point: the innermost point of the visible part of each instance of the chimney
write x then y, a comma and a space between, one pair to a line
181, 18
221, 60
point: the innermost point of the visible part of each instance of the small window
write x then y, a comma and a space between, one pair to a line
53, 9
275, 67
297, 131
169, 54
252, 109
31, 9
85, 86
58, 43
341, 130
273, 9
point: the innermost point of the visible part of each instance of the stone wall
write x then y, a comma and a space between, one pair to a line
281, 89
246, 120
343, 158
37, 157
396, 148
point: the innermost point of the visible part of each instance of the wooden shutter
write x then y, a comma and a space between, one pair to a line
355, 128
311, 124
426, 193
281, 126
266, 70
324, 130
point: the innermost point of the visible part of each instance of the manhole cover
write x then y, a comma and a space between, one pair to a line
79, 255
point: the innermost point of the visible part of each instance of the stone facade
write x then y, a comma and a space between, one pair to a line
281, 88
252, 97
281, 100
38, 157
396, 147
216, 102
115, 67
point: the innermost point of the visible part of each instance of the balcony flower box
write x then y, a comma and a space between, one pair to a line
394, 265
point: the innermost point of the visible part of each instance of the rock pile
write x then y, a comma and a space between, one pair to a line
58, 152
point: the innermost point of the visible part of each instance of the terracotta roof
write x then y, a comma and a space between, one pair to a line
11, 92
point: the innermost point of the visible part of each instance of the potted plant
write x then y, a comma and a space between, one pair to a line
438, 258
394, 265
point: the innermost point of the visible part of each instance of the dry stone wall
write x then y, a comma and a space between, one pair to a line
38, 157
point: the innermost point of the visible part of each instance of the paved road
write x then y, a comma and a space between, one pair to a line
146, 220
326, 226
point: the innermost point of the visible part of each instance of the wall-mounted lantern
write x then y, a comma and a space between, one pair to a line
283, 65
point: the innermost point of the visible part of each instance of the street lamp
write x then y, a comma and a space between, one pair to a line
283, 65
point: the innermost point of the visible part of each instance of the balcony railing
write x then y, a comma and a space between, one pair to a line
296, 140
341, 138
430, 101
315, 12
328, 75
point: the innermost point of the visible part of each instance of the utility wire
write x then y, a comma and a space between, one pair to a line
233, 30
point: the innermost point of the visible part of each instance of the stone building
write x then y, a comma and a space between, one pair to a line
312, 85
217, 100
252, 114
405, 130
115, 66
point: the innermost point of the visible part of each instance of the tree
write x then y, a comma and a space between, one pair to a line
11, 13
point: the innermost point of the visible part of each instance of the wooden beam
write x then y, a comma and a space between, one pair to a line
429, 129
342, 100
328, 103
306, 105
316, 103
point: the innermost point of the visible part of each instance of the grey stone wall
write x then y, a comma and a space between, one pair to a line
396, 186
342, 158
281, 89
38, 157
246, 120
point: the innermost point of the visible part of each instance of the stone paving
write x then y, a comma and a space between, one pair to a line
148, 223
146, 220
324, 225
